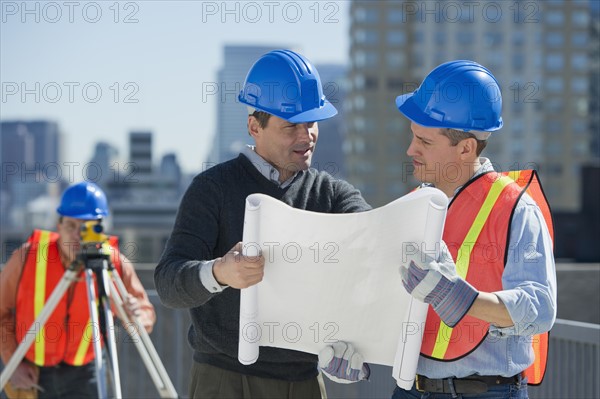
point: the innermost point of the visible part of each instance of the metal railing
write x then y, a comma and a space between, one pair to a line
573, 362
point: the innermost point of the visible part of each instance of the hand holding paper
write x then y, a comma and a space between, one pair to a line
437, 283
237, 270
341, 363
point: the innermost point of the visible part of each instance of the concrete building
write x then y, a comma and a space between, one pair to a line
30, 154
538, 50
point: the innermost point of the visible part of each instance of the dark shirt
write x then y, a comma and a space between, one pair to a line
209, 223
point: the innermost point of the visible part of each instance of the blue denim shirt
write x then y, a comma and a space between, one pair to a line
529, 293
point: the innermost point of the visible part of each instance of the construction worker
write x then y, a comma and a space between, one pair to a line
492, 289
201, 267
59, 363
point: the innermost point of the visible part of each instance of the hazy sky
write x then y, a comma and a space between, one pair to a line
101, 69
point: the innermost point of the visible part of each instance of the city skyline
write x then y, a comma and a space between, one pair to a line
101, 70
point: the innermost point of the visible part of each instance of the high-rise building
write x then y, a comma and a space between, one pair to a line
328, 156
140, 151
594, 108
30, 155
104, 163
144, 200
232, 133
565, 89
538, 52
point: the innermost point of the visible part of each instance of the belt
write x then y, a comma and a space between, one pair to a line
470, 384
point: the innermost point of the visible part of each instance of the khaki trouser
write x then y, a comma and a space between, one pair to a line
209, 382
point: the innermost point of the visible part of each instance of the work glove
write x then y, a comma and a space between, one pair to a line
436, 283
342, 364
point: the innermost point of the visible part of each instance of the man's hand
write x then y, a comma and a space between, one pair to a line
342, 364
26, 376
132, 306
436, 283
237, 270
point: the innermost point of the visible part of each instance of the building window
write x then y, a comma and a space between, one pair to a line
555, 39
419, 37
395, 17
465, 37
580, 18
579, 85
395, 60
359, 103
555, 62
359, 82
518, 38
493, 39
580, 148
579, 39
555, 85
396, 38
555, 169
440, 37
579, 61
553, 148
518, 61
555, 128
555, 18
368, 15
366, 36
371, 83
555, 104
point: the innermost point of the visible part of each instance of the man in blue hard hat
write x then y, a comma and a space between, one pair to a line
492, 288
201, 267
60, 363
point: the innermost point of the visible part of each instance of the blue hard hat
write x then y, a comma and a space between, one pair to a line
285, 84
459, 95
83, 200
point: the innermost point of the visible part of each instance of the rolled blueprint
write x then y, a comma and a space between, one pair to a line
432, 236
334, 277
249, 335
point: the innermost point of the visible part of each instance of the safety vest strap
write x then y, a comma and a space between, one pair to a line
529, 180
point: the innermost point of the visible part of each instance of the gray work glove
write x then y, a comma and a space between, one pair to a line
436, 283
342, 364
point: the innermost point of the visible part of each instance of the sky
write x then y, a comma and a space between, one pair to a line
101, 69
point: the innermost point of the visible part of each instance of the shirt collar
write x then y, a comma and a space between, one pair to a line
265, 168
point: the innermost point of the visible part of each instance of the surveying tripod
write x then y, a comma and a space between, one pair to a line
94, 259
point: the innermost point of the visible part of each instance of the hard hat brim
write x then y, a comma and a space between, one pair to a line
314, 115
406, 105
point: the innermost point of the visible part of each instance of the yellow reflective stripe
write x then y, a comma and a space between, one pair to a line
84, 344
515, 175
464, 255
39, 296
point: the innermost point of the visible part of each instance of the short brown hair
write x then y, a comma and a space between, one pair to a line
456, 136
261, 117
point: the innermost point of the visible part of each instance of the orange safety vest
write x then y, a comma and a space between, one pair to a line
68, 334
478, 238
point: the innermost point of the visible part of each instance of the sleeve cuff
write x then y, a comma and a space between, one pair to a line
207, 278
457, 303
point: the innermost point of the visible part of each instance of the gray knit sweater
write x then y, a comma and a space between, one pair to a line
208, 224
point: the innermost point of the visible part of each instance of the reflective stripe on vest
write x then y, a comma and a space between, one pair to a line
41, 269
